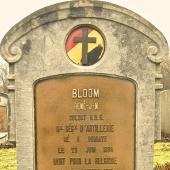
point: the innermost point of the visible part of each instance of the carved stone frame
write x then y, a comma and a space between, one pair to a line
12, 52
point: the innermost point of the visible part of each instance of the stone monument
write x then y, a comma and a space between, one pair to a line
3, 118
165, 111
3, 113
83, 82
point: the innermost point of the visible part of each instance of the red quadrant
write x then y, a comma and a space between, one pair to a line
70, 40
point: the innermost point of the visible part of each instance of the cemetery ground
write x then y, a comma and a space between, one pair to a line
7, 159
161, 158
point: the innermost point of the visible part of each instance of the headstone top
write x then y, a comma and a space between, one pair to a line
82, 9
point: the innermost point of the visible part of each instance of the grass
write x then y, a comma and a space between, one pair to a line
162, 167
162, 156
7, 159
162, 153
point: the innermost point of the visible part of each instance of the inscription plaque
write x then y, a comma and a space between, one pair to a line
85, 122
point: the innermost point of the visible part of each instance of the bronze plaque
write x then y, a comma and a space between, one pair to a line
3, 119
85, 122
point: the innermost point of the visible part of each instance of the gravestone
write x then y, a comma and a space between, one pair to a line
3, 113
83, 81
165, 111
165, 69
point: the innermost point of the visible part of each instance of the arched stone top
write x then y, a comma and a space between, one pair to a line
83, 9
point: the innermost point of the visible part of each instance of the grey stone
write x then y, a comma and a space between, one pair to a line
165, 111
165, 67
35, 48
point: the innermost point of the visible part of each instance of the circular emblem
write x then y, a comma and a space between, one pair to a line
85, 46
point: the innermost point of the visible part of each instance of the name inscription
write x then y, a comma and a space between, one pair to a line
85, 93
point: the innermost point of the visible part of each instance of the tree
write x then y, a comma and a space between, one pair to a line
3, 77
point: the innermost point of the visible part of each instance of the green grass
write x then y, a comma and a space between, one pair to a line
7, 159
8, 156
162, 153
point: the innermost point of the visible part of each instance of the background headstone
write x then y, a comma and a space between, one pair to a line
3, 113
3, 118
165, 111
165, 69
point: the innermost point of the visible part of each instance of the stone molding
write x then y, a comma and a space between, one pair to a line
153, 55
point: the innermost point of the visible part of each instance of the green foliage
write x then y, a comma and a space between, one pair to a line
7, 159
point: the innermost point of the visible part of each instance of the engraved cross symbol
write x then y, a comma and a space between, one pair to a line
85, 40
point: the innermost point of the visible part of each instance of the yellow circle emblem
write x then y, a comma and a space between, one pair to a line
85, 46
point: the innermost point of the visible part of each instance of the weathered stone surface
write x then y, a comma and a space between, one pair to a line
165, 67
35, 49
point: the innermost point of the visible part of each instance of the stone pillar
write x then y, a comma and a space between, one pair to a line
165, 111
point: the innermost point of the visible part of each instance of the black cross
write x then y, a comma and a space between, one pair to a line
85, 40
